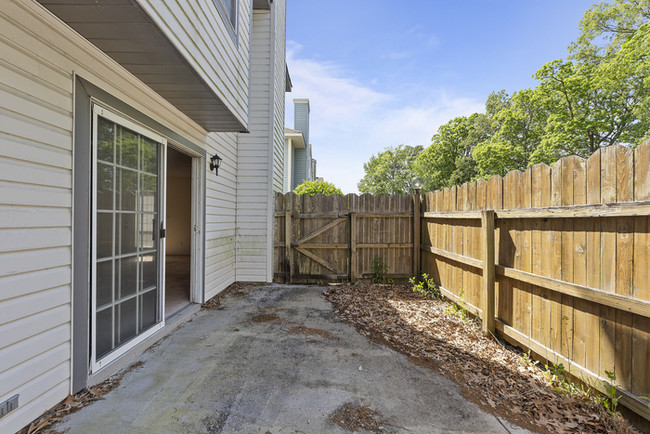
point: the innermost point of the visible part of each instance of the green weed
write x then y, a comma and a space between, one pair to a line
379, 269
426, 286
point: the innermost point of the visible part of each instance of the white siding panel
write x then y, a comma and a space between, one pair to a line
278, 101
13, 240
38, 174
211, 51
33, 282
26, 305
28, 217
29, 411
21, 149
16, 331
32, 260
39, 56
12, 193
255, 161
35, 345
12, 378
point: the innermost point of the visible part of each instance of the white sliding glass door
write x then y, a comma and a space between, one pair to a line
128, 235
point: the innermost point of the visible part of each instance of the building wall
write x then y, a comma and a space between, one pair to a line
253, 170
300, 172
288, 164
199, 32
39, 57
261, 151
279, 88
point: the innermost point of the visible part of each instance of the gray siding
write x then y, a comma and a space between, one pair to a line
301, 118
299, 167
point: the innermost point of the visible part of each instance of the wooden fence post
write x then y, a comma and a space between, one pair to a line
488, 308
353, 247
416, 235
289, 247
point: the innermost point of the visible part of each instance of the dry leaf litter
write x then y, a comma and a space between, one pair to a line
493, 375
357, 417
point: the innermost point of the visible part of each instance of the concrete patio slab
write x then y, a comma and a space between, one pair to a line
276, 359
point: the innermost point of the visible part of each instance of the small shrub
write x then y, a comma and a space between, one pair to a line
379, 269
426, 286
317, 187
610, 400
458, 309
556, 376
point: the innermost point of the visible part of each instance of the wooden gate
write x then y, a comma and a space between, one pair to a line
336, 238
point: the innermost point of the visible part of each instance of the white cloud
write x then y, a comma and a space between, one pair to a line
351, 121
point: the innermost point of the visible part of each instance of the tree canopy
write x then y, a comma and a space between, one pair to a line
317, 187
598, 96
390, 171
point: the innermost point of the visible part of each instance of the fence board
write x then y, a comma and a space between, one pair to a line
607, 345
581, 307
593, 249
641, 329
624, 264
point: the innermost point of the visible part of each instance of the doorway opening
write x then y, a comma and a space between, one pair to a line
179, 232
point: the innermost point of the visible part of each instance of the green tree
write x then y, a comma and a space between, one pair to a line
519, 127
390, 171
448, 160
605, 27
317, 187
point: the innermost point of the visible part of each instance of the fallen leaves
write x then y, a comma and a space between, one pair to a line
491, 374
356, 417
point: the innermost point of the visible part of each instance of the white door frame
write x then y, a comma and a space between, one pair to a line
197, 257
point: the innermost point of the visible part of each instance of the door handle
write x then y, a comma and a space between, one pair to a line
163, 231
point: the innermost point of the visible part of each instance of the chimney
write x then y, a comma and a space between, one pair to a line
301, 117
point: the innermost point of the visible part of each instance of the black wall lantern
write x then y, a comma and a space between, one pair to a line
215, 163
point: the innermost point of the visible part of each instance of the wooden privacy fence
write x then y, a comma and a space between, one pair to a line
555, 259
337, 237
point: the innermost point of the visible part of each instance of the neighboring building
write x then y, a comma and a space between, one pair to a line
299, 166
294, 140
113, 226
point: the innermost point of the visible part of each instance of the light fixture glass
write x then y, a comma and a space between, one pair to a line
417, 184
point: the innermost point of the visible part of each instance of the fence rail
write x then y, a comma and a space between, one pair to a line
555, 259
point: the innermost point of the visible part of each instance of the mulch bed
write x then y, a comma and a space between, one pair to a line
492, 374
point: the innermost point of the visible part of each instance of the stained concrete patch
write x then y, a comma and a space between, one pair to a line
223, 372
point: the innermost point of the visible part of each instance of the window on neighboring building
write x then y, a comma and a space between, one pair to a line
228, 9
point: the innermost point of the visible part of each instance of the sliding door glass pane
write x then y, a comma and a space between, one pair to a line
127, 190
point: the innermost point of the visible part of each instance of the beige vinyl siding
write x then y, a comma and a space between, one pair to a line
279, 87
198, 31
39, 56
255, 161
221, 198
35, 233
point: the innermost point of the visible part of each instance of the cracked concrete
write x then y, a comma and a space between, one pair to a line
286, 371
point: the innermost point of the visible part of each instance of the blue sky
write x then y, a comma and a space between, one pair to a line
383, 73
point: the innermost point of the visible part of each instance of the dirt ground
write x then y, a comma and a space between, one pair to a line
494, 375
